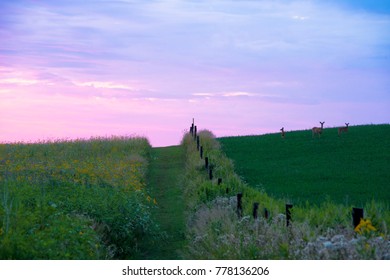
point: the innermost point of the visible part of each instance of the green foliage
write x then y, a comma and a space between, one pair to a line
74, 199
199, 189
321, 230
165, 170
351, 168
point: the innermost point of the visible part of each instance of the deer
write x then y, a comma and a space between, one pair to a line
283, 132
317, 130
343, 128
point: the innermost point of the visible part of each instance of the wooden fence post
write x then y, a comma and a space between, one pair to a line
288, 213
206, 162
201, 152
219, 181
357, 215
266, 213
211, 173
255, 209
239, 205
195, 131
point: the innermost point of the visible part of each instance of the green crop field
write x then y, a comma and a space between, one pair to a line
232, 219
350, 169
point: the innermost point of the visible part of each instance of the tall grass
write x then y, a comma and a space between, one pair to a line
82, 199
216, 231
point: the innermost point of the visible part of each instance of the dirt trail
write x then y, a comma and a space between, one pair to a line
166, 166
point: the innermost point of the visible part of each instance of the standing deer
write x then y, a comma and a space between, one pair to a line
317, 130
343, 128
283, 133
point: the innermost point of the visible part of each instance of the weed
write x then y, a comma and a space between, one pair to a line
82, 199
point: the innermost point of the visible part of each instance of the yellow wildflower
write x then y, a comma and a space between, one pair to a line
365, 226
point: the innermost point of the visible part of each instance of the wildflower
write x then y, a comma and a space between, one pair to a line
365, 227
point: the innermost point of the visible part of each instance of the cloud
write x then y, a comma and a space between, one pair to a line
109, 85
224, 94
237, 94
300, 18
176, 54
18, 81
183, 34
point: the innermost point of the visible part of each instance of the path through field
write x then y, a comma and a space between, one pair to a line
167, 165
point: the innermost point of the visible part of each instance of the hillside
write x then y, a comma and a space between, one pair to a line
119, 198
350, 169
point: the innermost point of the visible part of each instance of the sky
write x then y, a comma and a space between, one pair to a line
79, 69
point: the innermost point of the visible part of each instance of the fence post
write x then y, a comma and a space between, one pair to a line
197, 142
239, 205
206, 162
211, 173
288, 213
219, 181
357, 215
227, 190
266, 213
195, 131
255, 209
201, 152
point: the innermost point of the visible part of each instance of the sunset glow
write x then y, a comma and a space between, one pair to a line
77, 69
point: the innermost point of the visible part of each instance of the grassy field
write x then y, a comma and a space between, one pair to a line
350, 169
75, 199
119, 198
218, 229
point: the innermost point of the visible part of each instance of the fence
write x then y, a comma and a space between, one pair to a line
357, 213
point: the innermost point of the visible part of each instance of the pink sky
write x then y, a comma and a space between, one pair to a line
74, 70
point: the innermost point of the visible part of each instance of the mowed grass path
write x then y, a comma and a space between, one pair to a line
166, 167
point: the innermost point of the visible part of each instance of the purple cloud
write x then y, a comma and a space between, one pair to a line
299, 57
